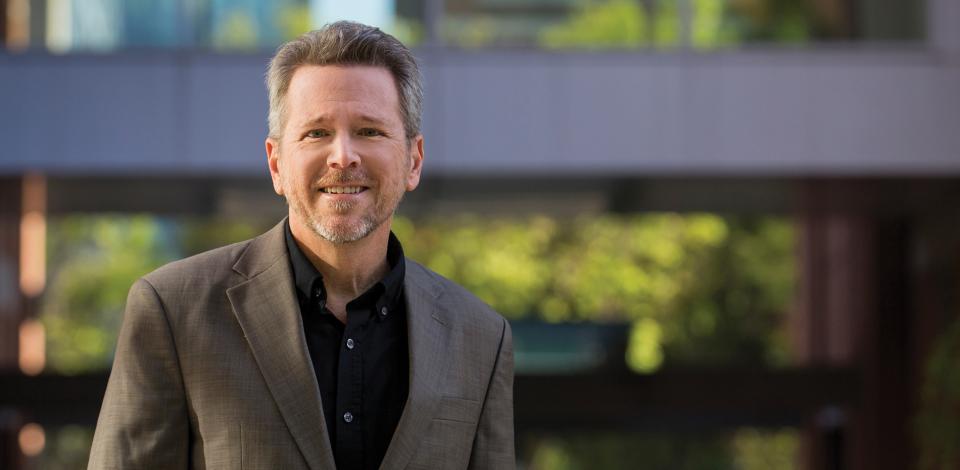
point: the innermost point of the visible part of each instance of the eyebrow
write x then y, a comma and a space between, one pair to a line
364, 118
372, 120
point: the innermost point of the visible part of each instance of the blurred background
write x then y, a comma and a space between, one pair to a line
726, 232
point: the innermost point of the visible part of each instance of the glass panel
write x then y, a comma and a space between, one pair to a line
261, 25
106, 25
700, 24
222, 25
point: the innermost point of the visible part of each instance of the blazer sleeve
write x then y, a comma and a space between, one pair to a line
143, 420
493, 446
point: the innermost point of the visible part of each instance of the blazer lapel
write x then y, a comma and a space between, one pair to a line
428, 338
266, 308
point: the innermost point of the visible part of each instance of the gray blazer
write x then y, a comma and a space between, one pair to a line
212, 371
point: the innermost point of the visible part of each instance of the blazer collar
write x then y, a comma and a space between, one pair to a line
428, 339
263, 252
266, 308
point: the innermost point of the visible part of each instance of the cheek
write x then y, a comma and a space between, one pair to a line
302, 169
401, 175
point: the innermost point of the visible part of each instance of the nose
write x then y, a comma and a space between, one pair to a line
343, 153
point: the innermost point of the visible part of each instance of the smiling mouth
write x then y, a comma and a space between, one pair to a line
343, 189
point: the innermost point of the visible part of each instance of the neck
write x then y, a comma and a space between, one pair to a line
348, 269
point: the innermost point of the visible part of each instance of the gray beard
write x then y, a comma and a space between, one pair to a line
342, 235
339, 234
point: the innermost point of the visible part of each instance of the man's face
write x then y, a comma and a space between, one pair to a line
343, 161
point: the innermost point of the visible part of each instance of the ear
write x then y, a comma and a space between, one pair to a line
416, 162
273, 162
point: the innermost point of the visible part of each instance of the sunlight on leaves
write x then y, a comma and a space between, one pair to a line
643, 352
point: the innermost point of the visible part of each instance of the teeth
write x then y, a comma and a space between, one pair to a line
343, 189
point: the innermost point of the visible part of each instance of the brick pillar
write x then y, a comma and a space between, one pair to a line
22, 279
3, 23
11, 309
11, 302
852, 311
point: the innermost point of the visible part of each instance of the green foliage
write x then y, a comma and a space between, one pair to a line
623, 451
698, 288
409, 31
754, 449
238, 32
613, 23
473, 32
710, 27
94, 260
732, 310
293, 20
938, 420
500, 260
783, 21
645, 352
194, 235
744, 449
599, 268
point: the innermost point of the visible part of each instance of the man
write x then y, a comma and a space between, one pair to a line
317, 344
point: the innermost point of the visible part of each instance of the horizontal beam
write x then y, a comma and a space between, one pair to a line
707, 399
821, 111
248, 196
682, 399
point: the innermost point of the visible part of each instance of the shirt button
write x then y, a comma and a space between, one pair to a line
348, 417
383, 311
349, 343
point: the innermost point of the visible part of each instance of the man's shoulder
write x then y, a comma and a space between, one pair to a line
204, 268
464, 306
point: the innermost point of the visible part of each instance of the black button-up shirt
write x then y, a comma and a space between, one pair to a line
362, 366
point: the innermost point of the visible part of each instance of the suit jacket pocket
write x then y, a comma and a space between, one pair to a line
268, 446
459, 409
449, 439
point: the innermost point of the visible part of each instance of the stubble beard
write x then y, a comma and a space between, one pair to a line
344, 232
341, 233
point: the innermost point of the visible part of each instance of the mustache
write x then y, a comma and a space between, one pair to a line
356, 177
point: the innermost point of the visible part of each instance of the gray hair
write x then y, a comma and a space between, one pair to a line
346, 43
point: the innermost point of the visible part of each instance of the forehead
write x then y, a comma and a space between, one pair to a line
325, 89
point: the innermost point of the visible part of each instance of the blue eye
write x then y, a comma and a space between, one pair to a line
317, 133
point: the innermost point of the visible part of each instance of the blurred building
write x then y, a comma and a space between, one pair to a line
842, 115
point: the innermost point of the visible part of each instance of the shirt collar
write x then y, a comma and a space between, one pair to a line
309, 281
393, 281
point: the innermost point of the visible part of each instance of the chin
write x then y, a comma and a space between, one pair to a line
341, 233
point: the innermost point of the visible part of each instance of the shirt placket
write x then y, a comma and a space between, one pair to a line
350, 392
